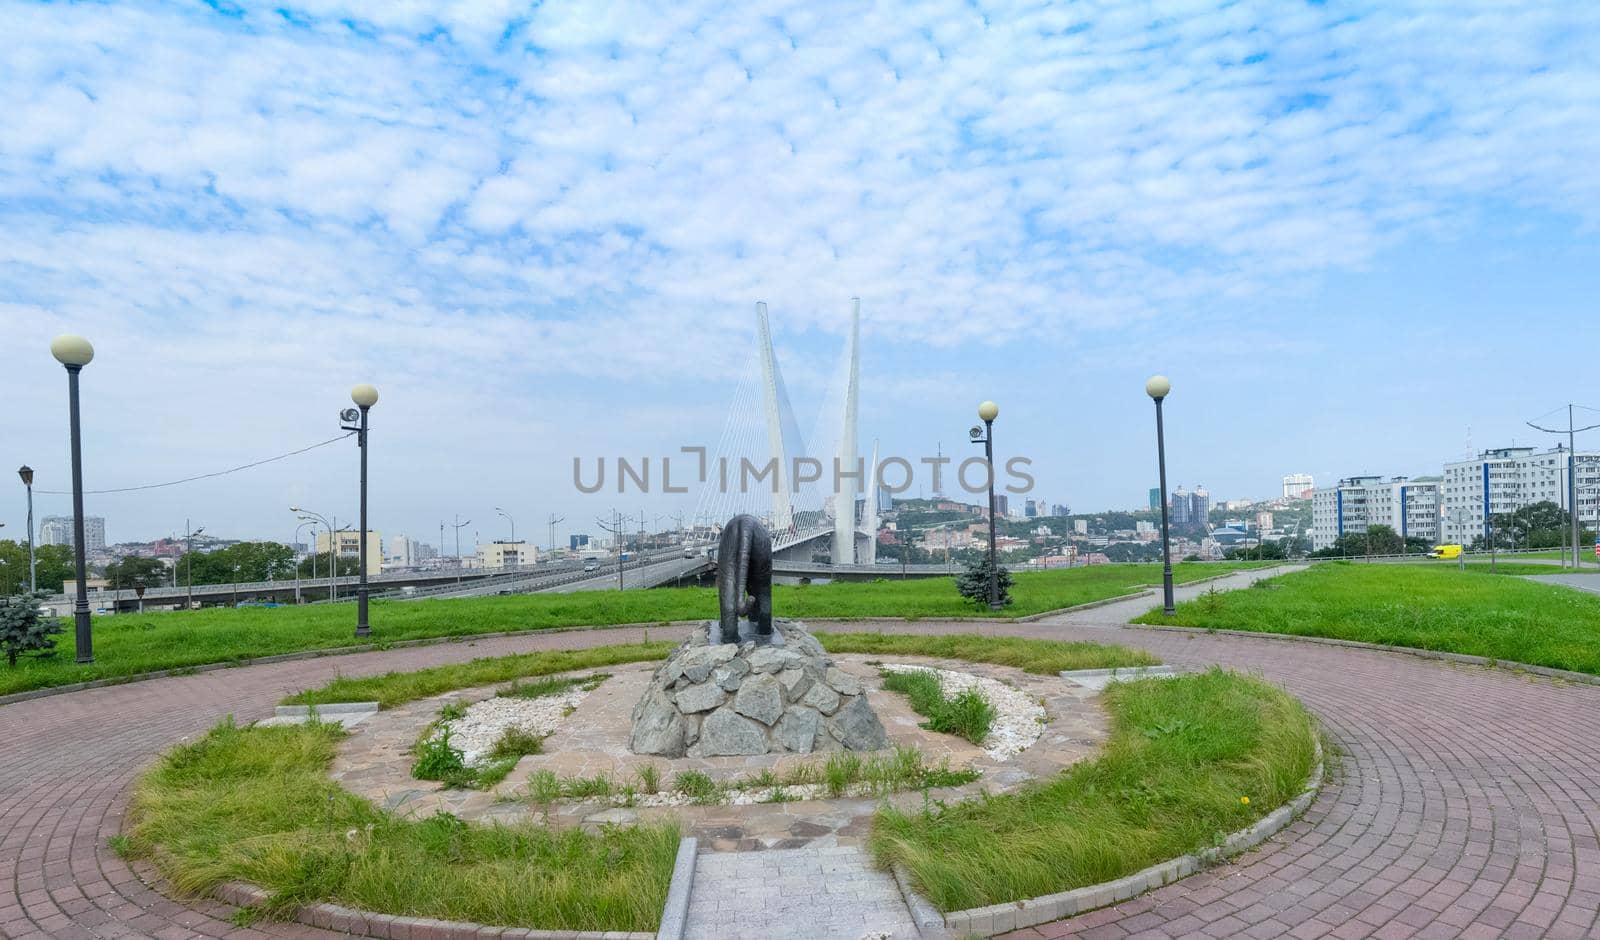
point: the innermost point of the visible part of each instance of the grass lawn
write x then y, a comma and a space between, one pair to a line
1044, 657
128, 644
257, 805
1190, 760
1443, 609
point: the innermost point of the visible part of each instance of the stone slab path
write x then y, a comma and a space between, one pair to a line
1463, 803
830, 893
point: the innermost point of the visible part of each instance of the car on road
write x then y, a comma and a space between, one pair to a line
591, 564
689, 551
1445, 551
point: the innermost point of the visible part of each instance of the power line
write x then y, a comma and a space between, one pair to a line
203, 476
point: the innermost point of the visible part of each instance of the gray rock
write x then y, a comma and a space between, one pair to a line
795, 682
857, 727
691, 729
760, 697
701, 698
696, 663
797, 729
729, 675
843, 682
822, 698
657, 726
724, 734
774, 659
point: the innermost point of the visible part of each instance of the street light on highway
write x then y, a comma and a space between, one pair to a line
517, 552
188, 561
75, 352
307, 515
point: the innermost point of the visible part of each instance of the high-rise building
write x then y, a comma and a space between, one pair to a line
1030, 509
1200, 505
1298, 486
1506, 479
1182, 507
349, 546
1080, 526
576, 541
1062, 509
407, 552
57, 530
1409, 507
1155, 497
1002, 505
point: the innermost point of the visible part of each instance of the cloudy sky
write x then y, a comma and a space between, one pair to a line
1357, 235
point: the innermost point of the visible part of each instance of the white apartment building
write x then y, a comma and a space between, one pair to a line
1409, 507
58, 530
1506, 479
1297, 485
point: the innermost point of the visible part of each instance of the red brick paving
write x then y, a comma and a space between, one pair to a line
1461, 803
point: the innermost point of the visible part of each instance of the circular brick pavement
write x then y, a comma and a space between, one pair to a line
1462, 802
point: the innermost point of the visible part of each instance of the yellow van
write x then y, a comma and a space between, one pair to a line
1445, 551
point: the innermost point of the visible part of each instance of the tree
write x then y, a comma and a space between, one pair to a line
973, 582
246, 561
23, 629
54, 566
349, 565
134, 572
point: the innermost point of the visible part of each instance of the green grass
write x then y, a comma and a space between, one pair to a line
1445, 609
1045, 657
967, 714
257, 805
129, 644
397, 688
1184, 754
1041, 657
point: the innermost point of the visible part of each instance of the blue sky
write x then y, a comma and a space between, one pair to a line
1349, 232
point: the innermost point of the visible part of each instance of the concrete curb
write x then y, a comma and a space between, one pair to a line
675, 913
929, 922
1131, 672
331, 708
1463, 658
1015, 915
359, 923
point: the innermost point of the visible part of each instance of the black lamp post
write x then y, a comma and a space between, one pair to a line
988, 411
74, 352
1157, 388
26, 473
365, 396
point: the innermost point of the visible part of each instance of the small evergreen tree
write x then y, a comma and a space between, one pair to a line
973, 582
23, 629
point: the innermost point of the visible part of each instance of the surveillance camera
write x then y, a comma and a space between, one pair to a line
349, 414
976, 433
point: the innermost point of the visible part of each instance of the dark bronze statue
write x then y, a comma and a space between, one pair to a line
744, 582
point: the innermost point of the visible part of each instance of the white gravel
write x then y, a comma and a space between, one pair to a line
1019, 718
475, 733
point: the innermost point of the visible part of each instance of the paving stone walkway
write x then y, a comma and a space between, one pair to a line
1463, 804
828, 893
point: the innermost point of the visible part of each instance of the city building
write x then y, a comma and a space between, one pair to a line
1155, 497
407, 552
1506, 479
349, 546
1030, 509
57, 530
576, 542
1409, 507
1263, 521
503, 553
1080, 526
1062, 509
1002, 505
1190, 508
1298, 486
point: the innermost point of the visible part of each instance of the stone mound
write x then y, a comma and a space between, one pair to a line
744, 699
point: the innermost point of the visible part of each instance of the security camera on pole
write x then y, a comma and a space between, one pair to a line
988, 411
365, 396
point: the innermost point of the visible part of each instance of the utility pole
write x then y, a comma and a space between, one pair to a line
1572, 475
458, 525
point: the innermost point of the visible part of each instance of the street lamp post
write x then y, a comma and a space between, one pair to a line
74, 352
307, 515
1157, 387
365, 396
988, 411
26, 473
297, 529
188, 561
514, 546
457, 526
